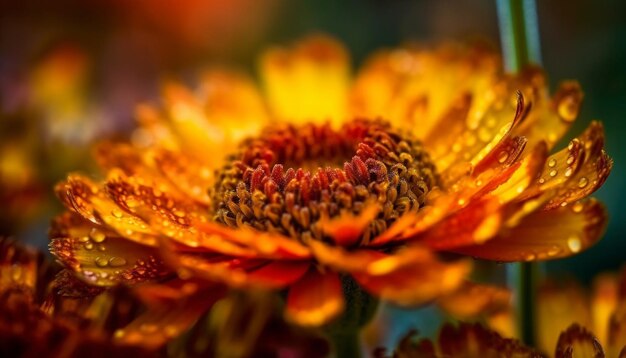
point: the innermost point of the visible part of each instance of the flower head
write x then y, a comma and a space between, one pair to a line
322, 178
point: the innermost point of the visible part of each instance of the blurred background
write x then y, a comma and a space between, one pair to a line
72, 71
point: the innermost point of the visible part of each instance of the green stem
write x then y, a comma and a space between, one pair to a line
519, 34
346, 344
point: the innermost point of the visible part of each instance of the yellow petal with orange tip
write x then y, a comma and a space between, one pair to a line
316, 299
308, 82
102, 257
80, 195
546, 234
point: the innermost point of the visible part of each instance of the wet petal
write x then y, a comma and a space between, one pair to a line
186, 174
316, 299
85, 198
593, 171
414, 88
308, 81
102, 257
545, 235
549, 119
578, 342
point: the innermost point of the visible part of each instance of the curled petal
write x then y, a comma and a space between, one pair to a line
102, 257
578, 342
549, 120
545, 235
592, 173
316, 299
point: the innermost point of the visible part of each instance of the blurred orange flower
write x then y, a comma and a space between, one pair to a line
322, 178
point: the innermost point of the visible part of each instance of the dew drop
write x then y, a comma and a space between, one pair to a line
88, 245
570, 160
542, 180
552, 163
568, 172
97, 235
502, 157
116, 213
582, 182
553, 172
574, 243
479, 182
83, 239
577, 207
101, 248
117, 261
102, 262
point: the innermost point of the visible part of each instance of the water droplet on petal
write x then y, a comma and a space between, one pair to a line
88, 245
574, 244
102, 262
553, 172
568, 172
530, 257
552, 163
582, 182
502, 157
577, 207
97, 235
116, 213
117, 261
570, 160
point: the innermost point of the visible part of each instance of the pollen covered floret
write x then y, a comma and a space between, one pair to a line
292, 177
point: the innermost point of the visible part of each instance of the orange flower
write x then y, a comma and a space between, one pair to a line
473, 340
324, 178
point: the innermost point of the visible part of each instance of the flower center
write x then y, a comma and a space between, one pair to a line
291, 177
